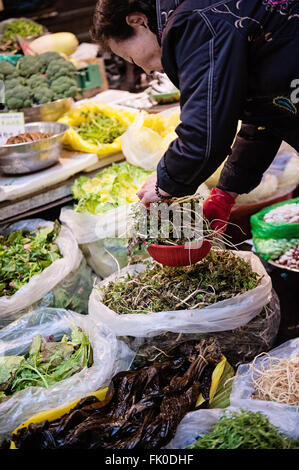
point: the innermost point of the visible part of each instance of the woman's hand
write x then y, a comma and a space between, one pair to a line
147, 194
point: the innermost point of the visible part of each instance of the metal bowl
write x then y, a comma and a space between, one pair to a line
49, 111
29, 157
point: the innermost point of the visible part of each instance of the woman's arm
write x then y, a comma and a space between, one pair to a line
210, 62
253, 152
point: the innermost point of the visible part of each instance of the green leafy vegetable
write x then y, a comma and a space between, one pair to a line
48, 362
245, 430
113, 187
23, 28
100, 129
24, 254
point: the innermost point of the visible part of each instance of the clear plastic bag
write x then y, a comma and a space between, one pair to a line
239, 345
283, 416
41, 284
221, 316
147, 139
110, 356
96, 235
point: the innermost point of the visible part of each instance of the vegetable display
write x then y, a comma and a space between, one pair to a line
138, 411
113, 187
24, 254
100, 129
275, 230
38, 80
48, 362
276, 379
20, 27
245, 430
219, 276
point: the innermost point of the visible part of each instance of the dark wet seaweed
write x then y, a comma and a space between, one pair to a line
142, 408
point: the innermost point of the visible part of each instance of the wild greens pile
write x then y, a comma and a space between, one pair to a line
245, 430
19, 27
99, 128
219, 276
24, 254
48, 362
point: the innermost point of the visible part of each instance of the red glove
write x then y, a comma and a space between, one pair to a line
217, 209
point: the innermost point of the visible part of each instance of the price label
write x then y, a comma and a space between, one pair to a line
11, 124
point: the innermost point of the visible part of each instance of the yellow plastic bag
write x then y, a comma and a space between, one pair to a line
77, 116
221, 373
148, 138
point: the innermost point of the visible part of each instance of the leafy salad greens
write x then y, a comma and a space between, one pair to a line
100, 129
24, 254
113, 187
48, 362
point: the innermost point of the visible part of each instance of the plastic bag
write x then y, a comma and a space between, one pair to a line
77, 116
239, 345
97, 237
225, 315
148, 138
41, 284
109, 357
265, 230
283, 416
285, 166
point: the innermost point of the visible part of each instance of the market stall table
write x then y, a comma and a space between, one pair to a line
24, 196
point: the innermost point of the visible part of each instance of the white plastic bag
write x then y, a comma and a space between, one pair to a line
283, 416
110, 356
40, 284
147, 139
221, 316
101, 237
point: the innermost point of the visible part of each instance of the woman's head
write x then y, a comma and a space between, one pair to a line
129, 29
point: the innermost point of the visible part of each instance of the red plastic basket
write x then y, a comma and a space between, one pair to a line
179, 255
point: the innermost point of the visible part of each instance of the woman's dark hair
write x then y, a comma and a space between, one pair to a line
109, 19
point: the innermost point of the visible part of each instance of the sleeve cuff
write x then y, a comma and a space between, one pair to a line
166, 183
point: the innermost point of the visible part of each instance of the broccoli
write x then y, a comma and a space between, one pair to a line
18, 97
28, 65
7, 71
64, 87
47, 57
61, 68
43, 95
13, 83
37, 81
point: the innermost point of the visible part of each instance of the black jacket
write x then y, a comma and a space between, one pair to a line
232, 60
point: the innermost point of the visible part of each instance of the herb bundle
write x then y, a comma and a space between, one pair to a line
184, 212
245, 430
24, 254
48, 362
100, 129
219, 276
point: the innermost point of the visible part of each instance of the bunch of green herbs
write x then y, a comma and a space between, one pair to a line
23, 254
48, 362
245, 430
219, 276
99, 128
170, 225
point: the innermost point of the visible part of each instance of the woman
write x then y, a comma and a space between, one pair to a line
232, 60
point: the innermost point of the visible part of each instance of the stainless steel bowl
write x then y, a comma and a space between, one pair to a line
29, 157
49, 111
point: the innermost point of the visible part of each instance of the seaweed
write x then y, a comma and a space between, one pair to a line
137, 412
